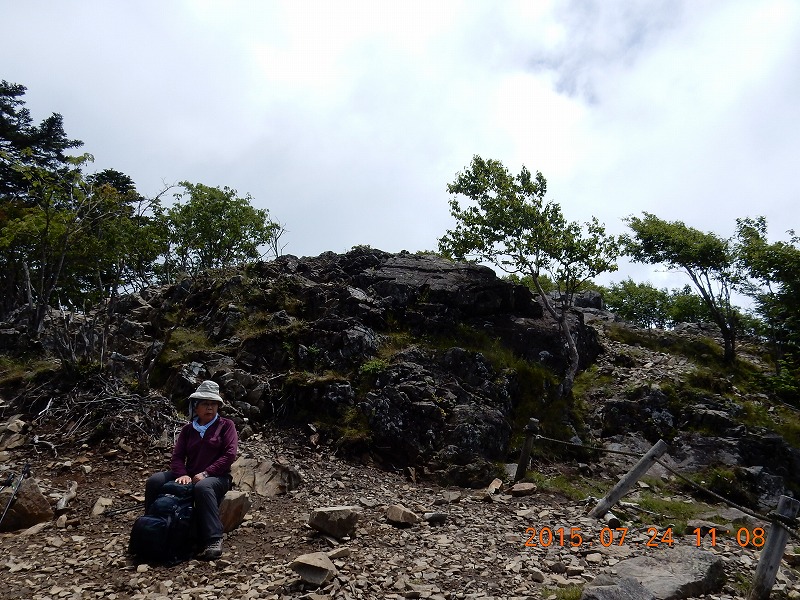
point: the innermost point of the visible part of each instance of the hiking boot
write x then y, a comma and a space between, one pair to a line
213, 550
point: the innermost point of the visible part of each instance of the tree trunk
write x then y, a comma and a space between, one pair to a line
572, 366
566, 333
729, 343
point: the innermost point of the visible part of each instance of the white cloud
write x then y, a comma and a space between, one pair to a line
348, 119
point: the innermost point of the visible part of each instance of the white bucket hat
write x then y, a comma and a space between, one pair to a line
208, 390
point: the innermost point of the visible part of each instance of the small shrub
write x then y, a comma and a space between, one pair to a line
373, 367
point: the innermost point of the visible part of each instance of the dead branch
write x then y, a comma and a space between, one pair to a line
38, 442
71, 493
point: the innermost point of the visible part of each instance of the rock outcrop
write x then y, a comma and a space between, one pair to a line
332, 340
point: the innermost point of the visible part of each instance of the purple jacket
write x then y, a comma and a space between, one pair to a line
213, 453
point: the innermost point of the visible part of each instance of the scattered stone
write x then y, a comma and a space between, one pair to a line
12, 433
397, 514
494, 486
233, 509
315, 568
523, 489
435, 518
342, 552
336, 521
101, 505
264, 477
451, 496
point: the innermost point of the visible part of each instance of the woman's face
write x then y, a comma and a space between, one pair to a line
206, 410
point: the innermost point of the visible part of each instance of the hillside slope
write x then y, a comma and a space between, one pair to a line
381, 378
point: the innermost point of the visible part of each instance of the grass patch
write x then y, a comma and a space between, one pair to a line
591, 383
674, 513
184, 342
15, 371
727, 482
533, 384
570, 592
568, 486
701, 350
355, 430
788, 425
392, 343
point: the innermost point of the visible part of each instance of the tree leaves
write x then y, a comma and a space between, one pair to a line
510, 224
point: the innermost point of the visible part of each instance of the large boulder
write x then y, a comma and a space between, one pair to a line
675, 573
28, 508
264, 477
336, 521
606, 587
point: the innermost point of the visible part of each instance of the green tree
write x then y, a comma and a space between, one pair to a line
32, 157
639, 303
685, 306
130, 237
213, 228
708, 260
43, 238
23, 143
774, 285
511, 225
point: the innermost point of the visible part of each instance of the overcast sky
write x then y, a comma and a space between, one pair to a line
348, 119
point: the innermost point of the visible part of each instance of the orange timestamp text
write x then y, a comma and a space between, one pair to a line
544, 537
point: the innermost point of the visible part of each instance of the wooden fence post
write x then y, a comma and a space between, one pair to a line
627, 481
531, 429
772, 552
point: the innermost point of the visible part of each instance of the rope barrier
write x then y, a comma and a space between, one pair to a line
780, 520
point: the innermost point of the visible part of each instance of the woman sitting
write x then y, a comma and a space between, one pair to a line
203, 455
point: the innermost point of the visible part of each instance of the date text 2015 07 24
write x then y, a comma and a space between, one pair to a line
545, 537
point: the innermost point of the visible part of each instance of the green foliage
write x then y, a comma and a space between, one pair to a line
639, 303
373, 367
214, 228
670, 512
774, 269
25, 144
510, 224
726, 482
644, 305
684, 306
548, 285
786, 382
708, 260
570, 592
77, 241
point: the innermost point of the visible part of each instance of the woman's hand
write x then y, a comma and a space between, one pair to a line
184, 479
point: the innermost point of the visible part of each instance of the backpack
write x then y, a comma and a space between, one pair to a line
166, 533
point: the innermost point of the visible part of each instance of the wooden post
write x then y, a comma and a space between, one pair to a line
627, 481
531, 429
772, 552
